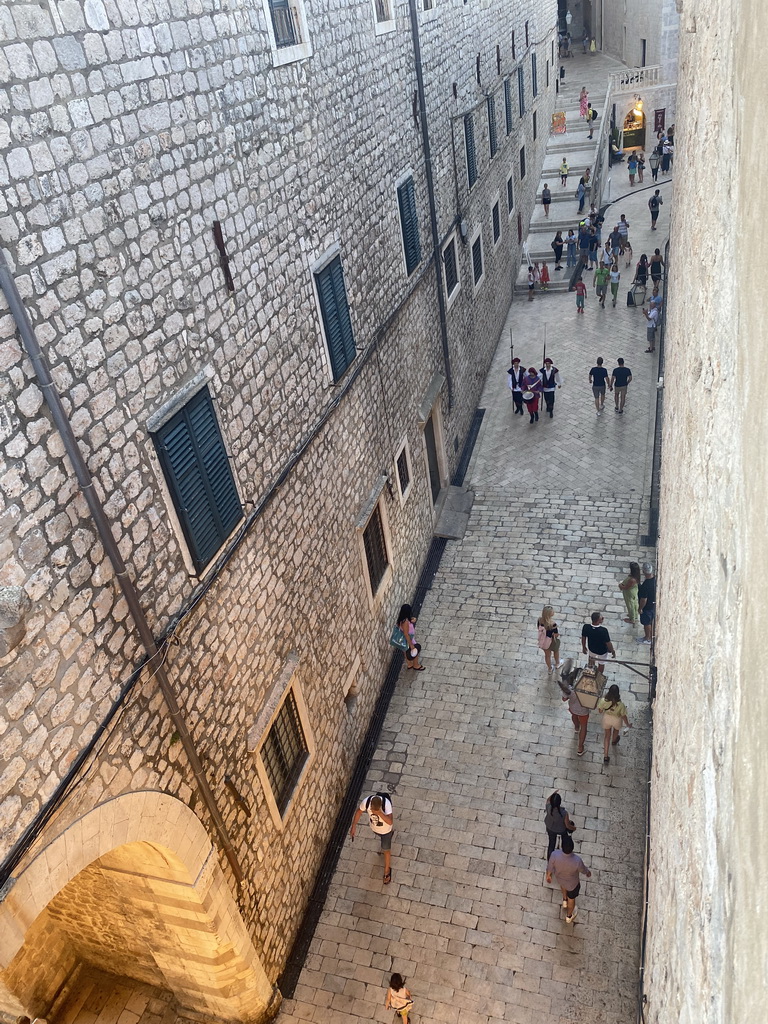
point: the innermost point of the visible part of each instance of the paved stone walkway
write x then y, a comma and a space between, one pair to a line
472, 747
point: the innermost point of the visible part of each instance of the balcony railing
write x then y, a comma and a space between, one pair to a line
632, 79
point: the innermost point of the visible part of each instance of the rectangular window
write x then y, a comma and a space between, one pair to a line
521, 91
477, 259
493, 141
196, 467
403, 467
547, 66
409, 223
534, 76
383, 11
469, 145
334, 310
375, 550
526, 35
514, 51
284, 23
285, 752
451, 268
535, 126
496, 218
522, 162
508, 117
427, 5
510, 195
289, 36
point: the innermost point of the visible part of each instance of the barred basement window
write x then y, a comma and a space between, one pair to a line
477, 259
534, 76
409, 224
521, 91
285, 752
522, 162
496, 222
510, 195
493, 142
469, 145
375, 550
196, 467
508, 118
451, 268
334, 310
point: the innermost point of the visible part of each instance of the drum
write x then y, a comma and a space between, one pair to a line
527, 396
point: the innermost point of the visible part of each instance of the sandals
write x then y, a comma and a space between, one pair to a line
606, 760
420, 668
388, 877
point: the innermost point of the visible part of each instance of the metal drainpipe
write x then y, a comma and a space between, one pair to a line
59, 415
431, 195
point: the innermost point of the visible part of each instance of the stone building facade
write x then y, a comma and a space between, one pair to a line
269, 310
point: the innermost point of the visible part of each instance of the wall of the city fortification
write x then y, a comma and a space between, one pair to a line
707, 944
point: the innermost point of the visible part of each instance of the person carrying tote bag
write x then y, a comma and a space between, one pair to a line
406, 621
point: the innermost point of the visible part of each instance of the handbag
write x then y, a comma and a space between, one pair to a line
545, 642
398, 639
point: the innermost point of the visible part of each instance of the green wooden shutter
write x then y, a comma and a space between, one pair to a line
469, 145
334, 310
534, 76
199, 477
451, 270
477, 258
493, 141
409, 223
508, 105
521, 90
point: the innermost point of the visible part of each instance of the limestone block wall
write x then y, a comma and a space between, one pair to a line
707, 945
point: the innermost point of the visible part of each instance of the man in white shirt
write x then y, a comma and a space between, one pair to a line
652, 316
380, 817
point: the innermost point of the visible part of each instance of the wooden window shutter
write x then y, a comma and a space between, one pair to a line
334, 310
409, 223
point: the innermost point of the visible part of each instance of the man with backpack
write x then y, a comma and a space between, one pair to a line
380, 817
653, 205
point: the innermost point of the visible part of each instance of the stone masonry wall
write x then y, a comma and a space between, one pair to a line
126, 129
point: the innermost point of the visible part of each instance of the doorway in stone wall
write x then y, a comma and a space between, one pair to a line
431, 435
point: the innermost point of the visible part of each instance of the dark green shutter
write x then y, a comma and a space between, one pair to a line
534, 76
508, 105
510, 194
496, 222
406, 198
469, 144
451, 270
493, 142
521, 90
199, 477
477, 258
522, 162
335, 313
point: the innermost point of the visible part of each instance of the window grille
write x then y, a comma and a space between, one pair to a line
284, 752
375, 550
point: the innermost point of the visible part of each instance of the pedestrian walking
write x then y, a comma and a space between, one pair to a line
614, 714
623, 229
531, 283
592, 250
550, 380
531, 391
591, 118
655, 300
544, 277
579, 716
585, 42
406, 622
615, 242
628, 587
596, 641
549, 638
557, 822
602, 275
641, 272
632, 167
581, 193
598, 378
654, 160
564, 168
667, 152
571, 241
537, 273
515, 375
620, 381
380, 817
646, 602
654, 203
546, 199
615, 278
399, 998
583, 101
557, 249
581, 294
584, 230
592, 46
652, 316
566, 866
656, 267
606, 256
640, 166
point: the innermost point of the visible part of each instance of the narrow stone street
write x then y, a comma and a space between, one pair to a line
472, 747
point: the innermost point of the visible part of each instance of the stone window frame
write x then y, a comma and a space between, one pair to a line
375, 500
511, 209
404, 449
496, 203
289, 54
184, 394
383, 26
478, 233
287, 682
451, 297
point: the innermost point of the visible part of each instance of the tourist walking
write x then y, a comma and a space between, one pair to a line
564, 168
656, 266
531, 391
652, 316
584, 230
515, 376
615, 242
629, 587
566, 866
615, 278
571, 241
557, 249
632, 167
654, 203
546, 199
640, 166
581, 294
380, 817
655, 300
531, 283
593, 244
614, 715
623, 228
581, 194
557, 822
654, 160
591, 118
641, 272
406, 622
620, 381
602, 274
606, 256
667, 151
596, 641
550, 381
579, 716
646, 602
598, 378
398, 998
583, 101
548, 637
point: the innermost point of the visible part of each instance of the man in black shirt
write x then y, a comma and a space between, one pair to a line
620, 378
598, 376
596, 641
646, 601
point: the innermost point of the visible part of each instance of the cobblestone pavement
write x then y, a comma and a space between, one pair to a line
472, 746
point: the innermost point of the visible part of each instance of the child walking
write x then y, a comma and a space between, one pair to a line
581, 294
398, 997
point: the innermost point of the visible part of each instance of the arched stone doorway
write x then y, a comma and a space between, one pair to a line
133, 888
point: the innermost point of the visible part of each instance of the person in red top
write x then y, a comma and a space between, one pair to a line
581, 294
532, 386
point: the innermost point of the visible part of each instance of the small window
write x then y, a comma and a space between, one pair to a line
510, 195
403, 467
409, 223
493, 141
496, 219
284, 24
521, 91
526, 35
477, 259
535, 123
288, 30
427, 5
383, 10
451, 267
334, 310
522, 162
285, 752
375, 545
469, 145
514, 51
534, 76
508, 117
196, 467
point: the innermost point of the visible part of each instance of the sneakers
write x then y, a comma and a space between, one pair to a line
572, 918
642, 640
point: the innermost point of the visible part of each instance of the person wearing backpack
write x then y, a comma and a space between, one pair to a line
378, 807
653, 205
557, 822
